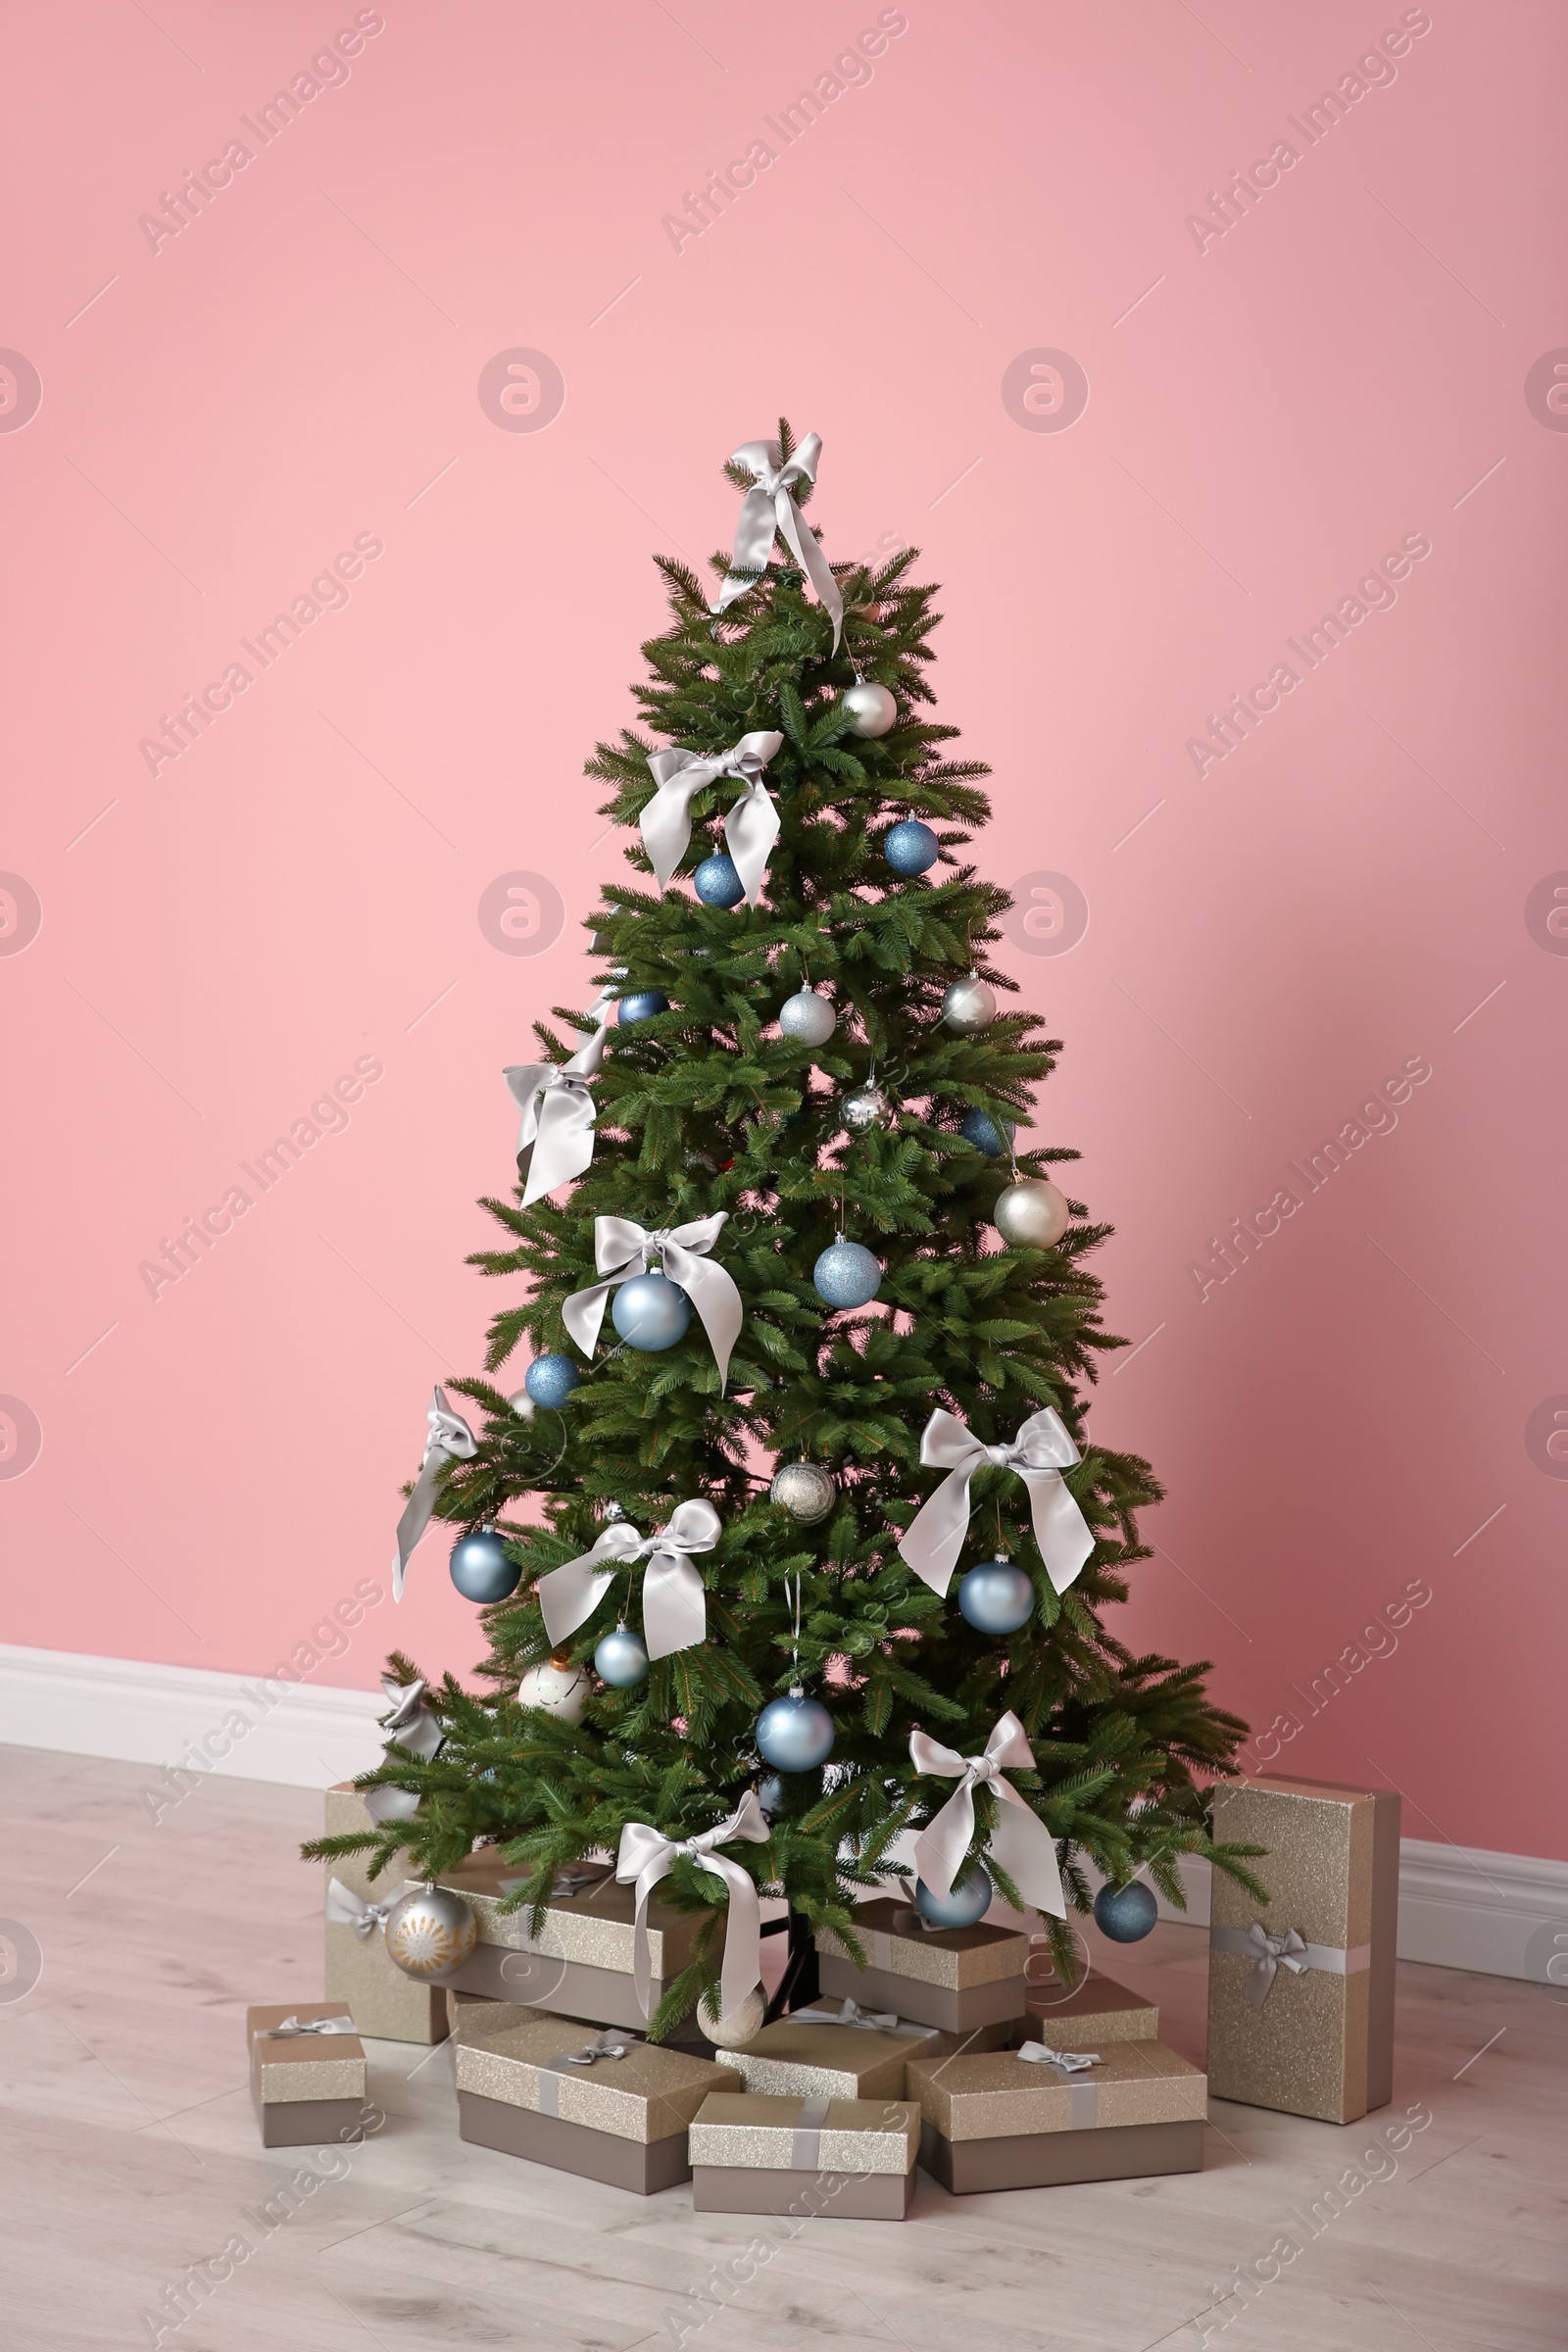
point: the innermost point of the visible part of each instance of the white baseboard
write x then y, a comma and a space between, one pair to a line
1501, 1915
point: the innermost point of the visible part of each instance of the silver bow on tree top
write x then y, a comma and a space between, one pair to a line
622, 1248
451, 1439
1022, 1845
558, 1117
751, 827
675, 1605
292, 2026
768, 506
412, 1725
344, 1909
647, 1855
1039, 1454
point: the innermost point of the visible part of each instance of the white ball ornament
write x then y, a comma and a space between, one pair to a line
741, 2026
807, 1017
558, 1687
970, 1006
807, 1491
1032, 1213
871, 709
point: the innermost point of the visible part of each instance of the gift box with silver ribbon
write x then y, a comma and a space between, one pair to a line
306, 2071
843, 2159
951, 1978
1038, 2117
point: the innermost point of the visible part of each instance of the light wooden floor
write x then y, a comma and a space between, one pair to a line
128, 2151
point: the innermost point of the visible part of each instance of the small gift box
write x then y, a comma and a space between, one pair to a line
307, 2072
849, 2159
581, 1962
1300, 1991
1095, 2012
1036, 2118
388, 2005
951, 1978
825, 2054
600, 2103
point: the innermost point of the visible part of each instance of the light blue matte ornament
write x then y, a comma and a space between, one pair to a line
846, 1275
996, 1597
988, 1135
794, 1733
1126, 1913
969, 1900
641, 1006
771, 1797
718, 881
651, 1312
551, 1379
620, 1660
480, 1568
910, 847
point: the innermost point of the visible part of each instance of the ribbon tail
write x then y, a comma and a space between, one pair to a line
563, 1141
806, 550
584, 1312
667, 825
711, 1291
931, 1541
743, 1928
1260, 1978
415, 1516
569, 1596
1062, 1531
1027, 1851
940, 1848
675, 1604
753, 544
391, 1804
751, 829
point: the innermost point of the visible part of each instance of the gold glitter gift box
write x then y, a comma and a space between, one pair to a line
813, 2057
384, 2003
306, 2086
1300, 1991
581, 1964
949, 1978
833, 2159
602, 2104
1000, 2121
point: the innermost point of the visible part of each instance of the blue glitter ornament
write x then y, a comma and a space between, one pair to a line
717, 881
1126, 1913
620, 1660
988, 1135
846, 1275
969, 1900
651, 1312
910, 847
996, 1597
641, 1006
551, 1379
480, 1568
794, 1733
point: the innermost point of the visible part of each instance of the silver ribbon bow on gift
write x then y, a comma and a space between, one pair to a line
610, 2043
558, 1117
1039, 1454
751, 827
1020, 1841
450, 1440
675, 1605
870, 2021
1084, 2105
411, 1724
316, 2025
344, 1908
769, 506
1271, 1953
647, 1855
622, 1248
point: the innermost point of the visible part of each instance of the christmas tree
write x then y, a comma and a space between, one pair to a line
868, 1277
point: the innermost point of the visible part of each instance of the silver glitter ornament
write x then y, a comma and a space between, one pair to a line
807, 1491
807, 1017
970, 1006
864, 1107
1032, 1213
430, 1933
871, 709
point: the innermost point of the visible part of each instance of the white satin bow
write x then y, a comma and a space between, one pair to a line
751, 825
1020, 1841
870, 2021
1271, 1953
412, 1725
558, 1116
647, 1855
622, 1248
675, 1605
1039, 1454
345, 1910
1065, 2062
293, 2025
768, 506
450, 1438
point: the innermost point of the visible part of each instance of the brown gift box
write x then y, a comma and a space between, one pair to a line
1095, 2012
306, 2086
581, 1964
622, 2120
812, 2059
949, 1978
1318, 2041
998, 2121
385, 2004
843, 2159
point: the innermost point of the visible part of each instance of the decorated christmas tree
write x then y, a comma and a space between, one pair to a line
852, 1331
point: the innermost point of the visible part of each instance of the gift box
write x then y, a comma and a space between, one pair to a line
581, 1964
1001, 2120
1095, 2012
602, 2104
843, 2159
307, 2072
812, 2055
1300, 1991
384, 2003
949, 1978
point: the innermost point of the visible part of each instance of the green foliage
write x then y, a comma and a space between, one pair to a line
705, 1109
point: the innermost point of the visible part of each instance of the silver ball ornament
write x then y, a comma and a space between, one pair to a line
996, 1597
620, 1660
794, 1733
807, 1019
651, 1313
968, 1900
480, 1568
1127, 1913
871, 709
970, 1006
846, 1275
561, 1690
522, 1404
1032, 1213
741, 2025
864, 1107
807, 1491
430, 1933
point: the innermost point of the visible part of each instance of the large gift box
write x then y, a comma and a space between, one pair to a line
1004, 2120
1096, 2011
849, 2159
307, 2072
815, 2054
600, 2103
1300, 1992
386, 2004
581, 1964
951, 1978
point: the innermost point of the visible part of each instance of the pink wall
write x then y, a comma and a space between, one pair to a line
1366, 879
